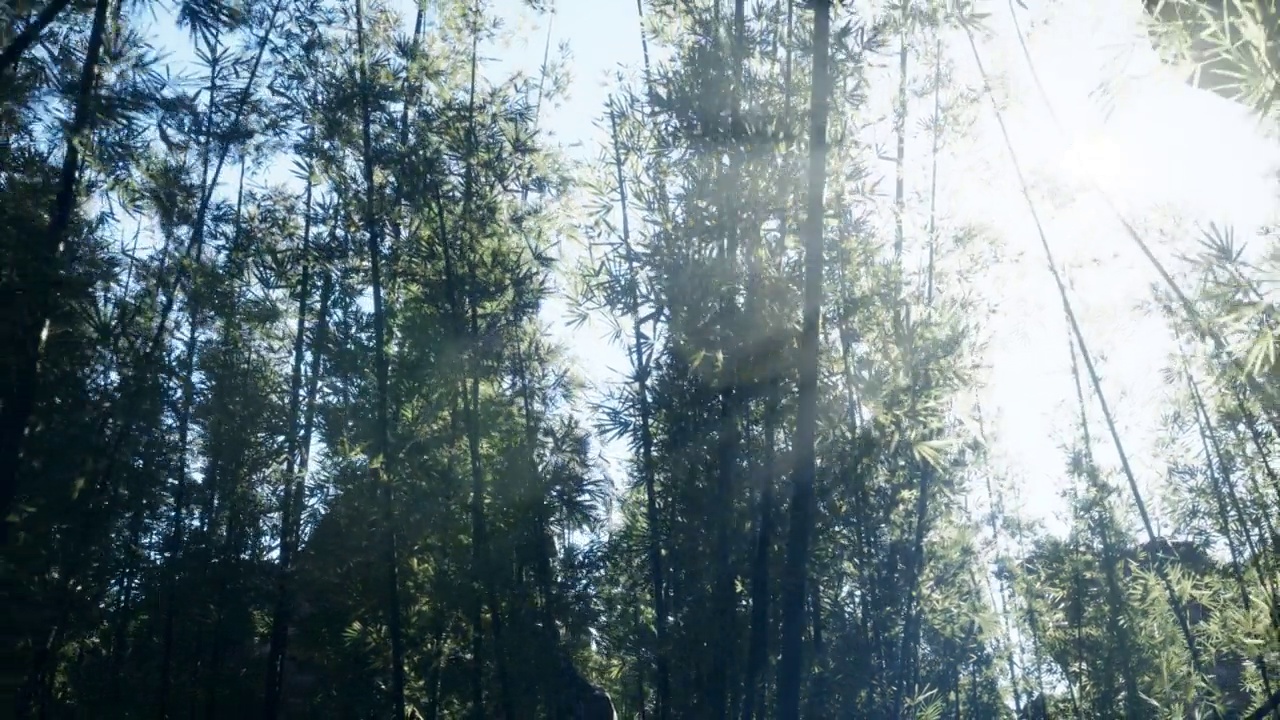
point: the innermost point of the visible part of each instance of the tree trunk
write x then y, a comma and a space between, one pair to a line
1117, 625
296, 463
790, 666
642, 367
758, 645
480, 560
45, 279
29, 36
900, 128
731, 400
176, 540
380, 469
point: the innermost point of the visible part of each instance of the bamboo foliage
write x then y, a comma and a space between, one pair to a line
286, 426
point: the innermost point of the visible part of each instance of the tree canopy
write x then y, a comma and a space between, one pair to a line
288, 426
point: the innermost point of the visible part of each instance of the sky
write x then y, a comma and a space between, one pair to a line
1172, 158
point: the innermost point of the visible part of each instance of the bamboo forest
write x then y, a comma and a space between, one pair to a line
662, 359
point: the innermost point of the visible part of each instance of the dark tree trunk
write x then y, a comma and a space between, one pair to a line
29, 36
791, 664
758, 645
39, 291
380, 469
296, 464
641, 364
177, 529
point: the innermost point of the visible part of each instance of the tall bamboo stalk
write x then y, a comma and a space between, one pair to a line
790, 666
380, 464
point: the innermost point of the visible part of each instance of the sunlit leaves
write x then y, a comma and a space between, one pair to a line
932, 451
1262, 352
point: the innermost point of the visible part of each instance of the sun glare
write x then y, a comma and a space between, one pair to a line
1172, 158
1169, 156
